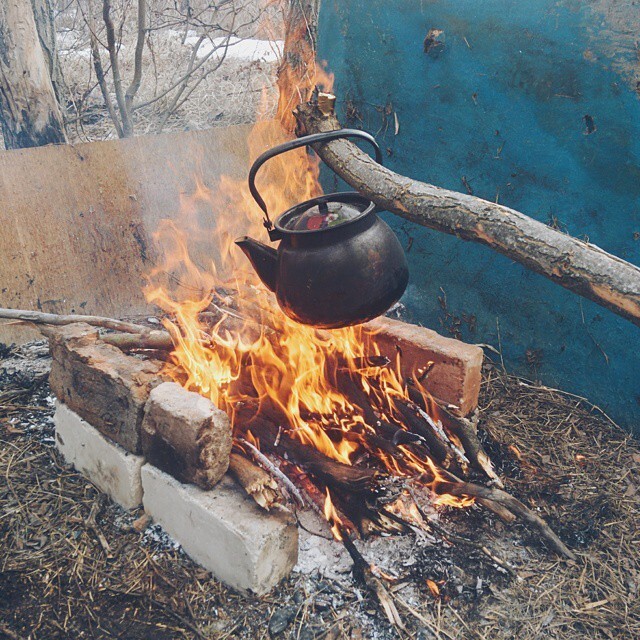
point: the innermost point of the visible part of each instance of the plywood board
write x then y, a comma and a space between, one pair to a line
76, 221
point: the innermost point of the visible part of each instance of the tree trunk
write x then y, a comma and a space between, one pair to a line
297, 72
43, 14
29, 112
578, 266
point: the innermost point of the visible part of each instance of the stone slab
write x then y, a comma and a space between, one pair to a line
111, 468
223, 530
457, 371
103, 385
186, 435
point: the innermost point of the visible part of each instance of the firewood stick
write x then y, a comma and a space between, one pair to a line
363, 572
273, 470
356, 395
513, 504
159, 340
332, 472
498, 509
255, 481
467, 432
316, 496
38, 317
441, 452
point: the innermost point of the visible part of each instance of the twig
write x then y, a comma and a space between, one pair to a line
90, 523
38, 317
137, 69
511, 503
271, 468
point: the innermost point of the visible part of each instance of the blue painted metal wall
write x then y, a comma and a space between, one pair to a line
503, 105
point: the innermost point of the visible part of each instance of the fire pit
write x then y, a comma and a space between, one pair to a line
380, 463
370, 426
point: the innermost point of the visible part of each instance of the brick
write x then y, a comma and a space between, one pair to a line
111, 468
457, 371
103, 385
184, 434
223, 530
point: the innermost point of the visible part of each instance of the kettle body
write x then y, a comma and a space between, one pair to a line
337, 264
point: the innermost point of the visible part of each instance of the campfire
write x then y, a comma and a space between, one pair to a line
319, 417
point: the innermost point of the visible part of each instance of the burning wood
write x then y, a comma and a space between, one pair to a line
255, 481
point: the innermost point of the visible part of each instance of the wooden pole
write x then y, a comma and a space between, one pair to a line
578, 266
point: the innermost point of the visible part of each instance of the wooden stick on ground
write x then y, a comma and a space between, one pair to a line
37, 317
511, 503
578, 266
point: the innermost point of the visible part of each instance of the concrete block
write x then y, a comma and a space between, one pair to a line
111, 468
103, 385
457, 371
223, 530
186, 435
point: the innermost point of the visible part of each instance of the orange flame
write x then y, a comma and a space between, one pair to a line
332, 517
254, 352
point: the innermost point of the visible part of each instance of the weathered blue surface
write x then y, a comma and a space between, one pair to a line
503, 105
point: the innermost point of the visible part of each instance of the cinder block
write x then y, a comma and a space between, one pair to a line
457, 371
103, 385
111, 468
186, 435
223, 530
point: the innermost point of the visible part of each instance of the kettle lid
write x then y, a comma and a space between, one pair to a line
325, 212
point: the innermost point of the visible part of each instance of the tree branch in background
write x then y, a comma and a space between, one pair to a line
137, 65
127, 126
102, 82
578, 266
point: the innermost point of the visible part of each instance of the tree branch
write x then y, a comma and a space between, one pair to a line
127, 127
578, 266
137, 69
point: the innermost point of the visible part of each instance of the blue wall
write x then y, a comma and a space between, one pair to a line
503, 105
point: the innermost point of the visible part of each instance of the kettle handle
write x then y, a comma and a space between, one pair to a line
295, 144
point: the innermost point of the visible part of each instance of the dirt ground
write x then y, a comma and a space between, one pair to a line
74, 565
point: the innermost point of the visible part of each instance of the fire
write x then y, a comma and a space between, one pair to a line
433, 587
252, 355
332, 517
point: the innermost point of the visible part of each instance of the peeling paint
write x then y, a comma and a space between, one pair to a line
507, 112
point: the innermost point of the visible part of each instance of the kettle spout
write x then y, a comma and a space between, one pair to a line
263, 258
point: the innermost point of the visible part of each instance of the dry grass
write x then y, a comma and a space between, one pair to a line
73, 565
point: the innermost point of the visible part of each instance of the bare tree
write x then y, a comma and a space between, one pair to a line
209, 29
45, 25
29, 112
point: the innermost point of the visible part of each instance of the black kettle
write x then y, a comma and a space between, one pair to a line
337, 264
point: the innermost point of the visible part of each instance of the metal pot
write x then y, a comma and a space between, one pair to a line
337, 264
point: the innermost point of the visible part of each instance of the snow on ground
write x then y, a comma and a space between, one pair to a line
246, 49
